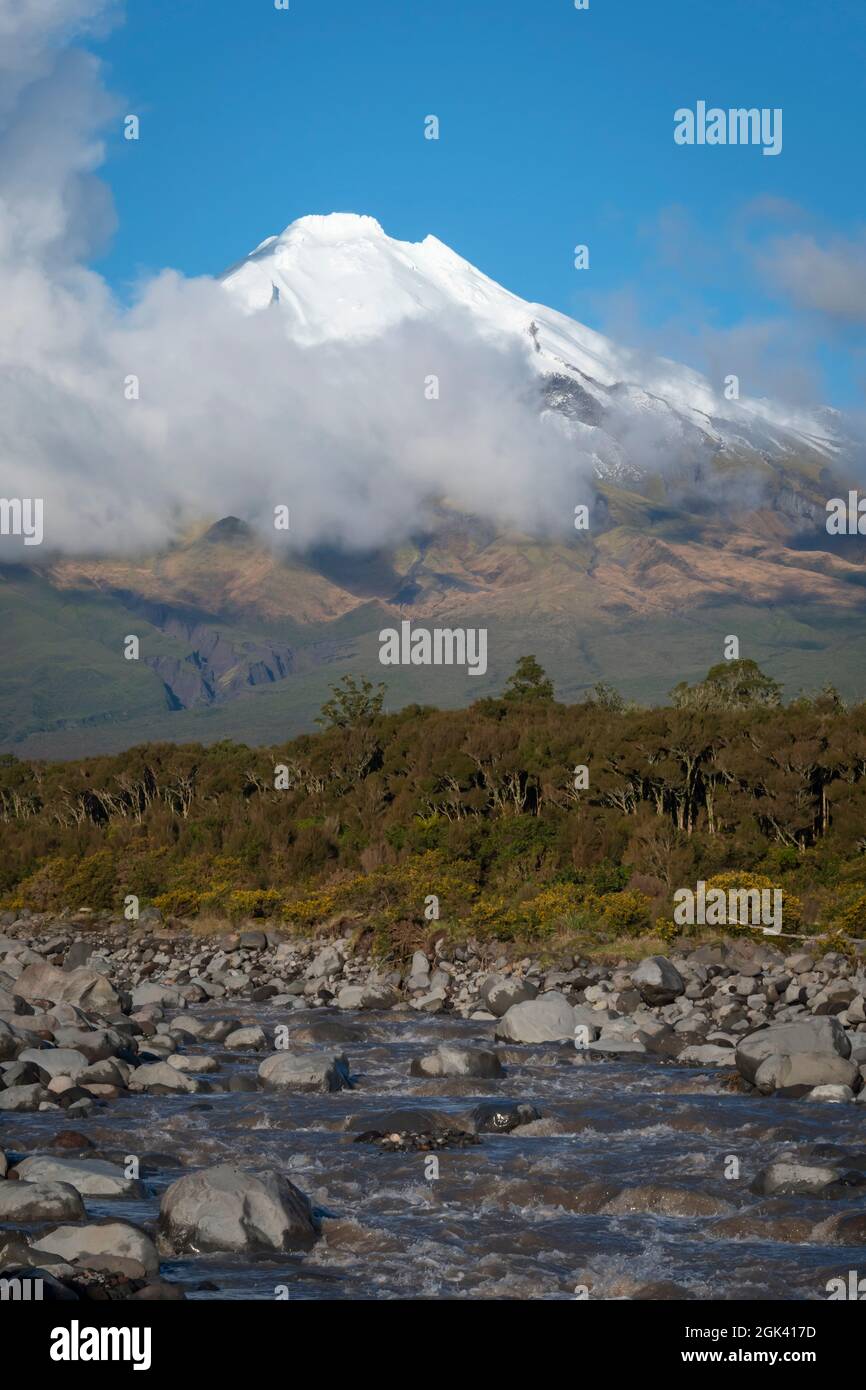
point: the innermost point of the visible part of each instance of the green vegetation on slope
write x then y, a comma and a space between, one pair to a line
477, 813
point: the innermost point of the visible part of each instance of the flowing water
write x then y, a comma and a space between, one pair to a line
513, 1217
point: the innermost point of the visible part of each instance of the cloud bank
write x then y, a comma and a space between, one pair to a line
230, 416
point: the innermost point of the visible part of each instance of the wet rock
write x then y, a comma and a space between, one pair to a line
842, 1228
407, 1120
198, 1062
326, 1030
833, 1095
666, 1201
796, 1075
404, 1141
612, 1047
501, 1117
71, 1140
93, 1177
457, 1061
760, 1224
305, 1071
252, 1038
658, 981
788, 1179
227, 1209
218, 1029
39, 1201
161, 1079
104, 1244
549, 1018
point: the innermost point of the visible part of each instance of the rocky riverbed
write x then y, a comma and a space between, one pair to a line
252, 1116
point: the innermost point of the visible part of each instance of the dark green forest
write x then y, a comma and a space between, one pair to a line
478, 819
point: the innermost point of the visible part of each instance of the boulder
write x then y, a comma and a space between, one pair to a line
55, 1061
824, 1036
328, 961
23, 1098
658, 981
500, 992
9, 1043
500, 1117
88, 989
305, 1071
408, 1120
799, 1073
252, 1038
793, 1179
40, 1201
164, 996
326, 1030
102, 1245
458, 1061
160, 1078
549, 1018
92, 1177
226, 1209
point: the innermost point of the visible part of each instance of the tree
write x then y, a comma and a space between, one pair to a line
606, 697
529, 682
737, 684
352, 704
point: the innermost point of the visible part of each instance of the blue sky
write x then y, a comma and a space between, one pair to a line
556, 128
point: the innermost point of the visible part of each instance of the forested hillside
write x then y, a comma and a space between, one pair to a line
484, 809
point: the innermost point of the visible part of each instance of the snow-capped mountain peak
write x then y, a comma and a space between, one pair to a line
341, 277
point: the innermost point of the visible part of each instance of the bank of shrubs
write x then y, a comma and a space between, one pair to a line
479, 809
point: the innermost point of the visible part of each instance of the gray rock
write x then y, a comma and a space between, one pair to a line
55, 1061
501, 1117
799, 1073
805, 1035
501, 992
792, 1179
549, 1018
225, 1209
23, 1098
102, 1245
9, 1043
40, 1201
658, 981
89, 989
92, 1177
298, 1071
328, 961
164, 996
252, 1038
457, 1061
159, 1077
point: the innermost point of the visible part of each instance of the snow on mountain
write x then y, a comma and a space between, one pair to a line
340, 277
